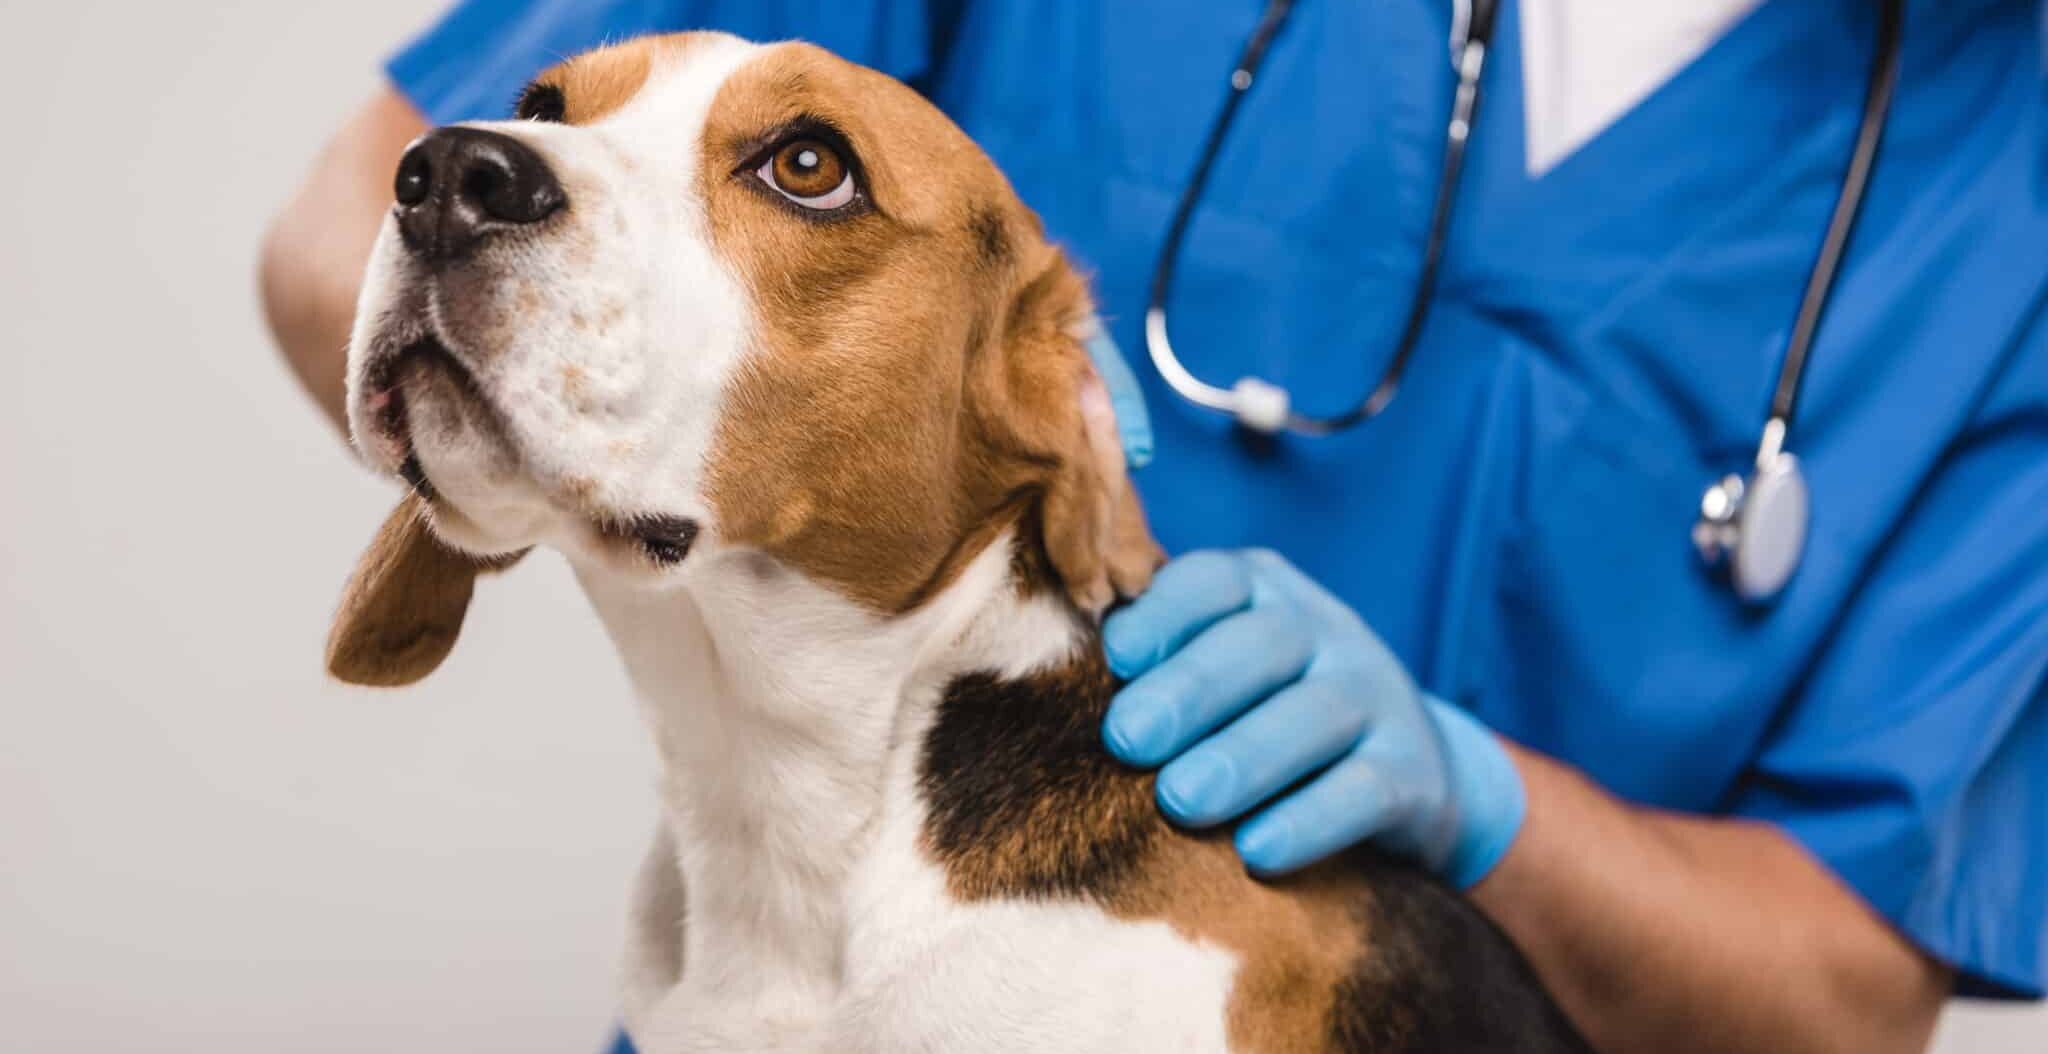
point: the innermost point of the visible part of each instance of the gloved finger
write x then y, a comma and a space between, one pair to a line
1352, 801
1408, 753
1304, 727
1230, 666
1185, 597
1276, 580
1277, 576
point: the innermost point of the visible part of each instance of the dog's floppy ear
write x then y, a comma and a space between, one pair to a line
1059, 411
1095, 529
403, 606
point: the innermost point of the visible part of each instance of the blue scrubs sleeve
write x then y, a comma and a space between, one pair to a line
1915, 764
470, 65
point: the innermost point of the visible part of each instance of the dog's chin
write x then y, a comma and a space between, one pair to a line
460, 460
486, 501
420, 414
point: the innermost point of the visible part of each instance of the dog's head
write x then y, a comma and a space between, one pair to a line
709, 300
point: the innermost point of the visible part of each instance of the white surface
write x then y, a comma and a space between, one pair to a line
207, 847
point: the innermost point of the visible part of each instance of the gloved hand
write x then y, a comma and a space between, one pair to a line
1245, 676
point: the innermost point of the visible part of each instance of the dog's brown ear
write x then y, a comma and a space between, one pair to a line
403, 606
1092, 525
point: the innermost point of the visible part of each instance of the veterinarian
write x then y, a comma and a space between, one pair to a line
1764, 768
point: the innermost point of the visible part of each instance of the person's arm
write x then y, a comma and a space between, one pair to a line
1656, 931
316, 248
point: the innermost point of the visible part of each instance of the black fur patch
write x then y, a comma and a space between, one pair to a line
1023, 796
1441, 978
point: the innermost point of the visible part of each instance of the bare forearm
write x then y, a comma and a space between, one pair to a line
314, 253
1658, 932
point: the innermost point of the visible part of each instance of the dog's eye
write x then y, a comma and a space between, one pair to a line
541, 102
809, 172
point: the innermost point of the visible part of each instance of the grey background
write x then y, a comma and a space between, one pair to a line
206, 845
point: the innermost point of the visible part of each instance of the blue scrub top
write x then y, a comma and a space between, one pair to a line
1604, 344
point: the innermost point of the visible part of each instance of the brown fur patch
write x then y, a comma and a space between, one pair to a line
919, 377
597, 83
575, 384
404, 604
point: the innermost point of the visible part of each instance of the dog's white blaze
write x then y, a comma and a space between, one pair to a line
797, 909
642, 428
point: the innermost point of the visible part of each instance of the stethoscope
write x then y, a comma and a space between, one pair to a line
1752, 528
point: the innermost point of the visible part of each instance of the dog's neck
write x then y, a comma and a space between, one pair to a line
781, 711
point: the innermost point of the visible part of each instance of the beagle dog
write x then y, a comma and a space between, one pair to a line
772, 353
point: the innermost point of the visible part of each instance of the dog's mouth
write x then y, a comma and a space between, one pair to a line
420, 361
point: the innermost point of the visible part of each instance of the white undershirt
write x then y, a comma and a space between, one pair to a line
1587, 62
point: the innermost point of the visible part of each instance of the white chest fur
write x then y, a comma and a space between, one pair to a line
786, 904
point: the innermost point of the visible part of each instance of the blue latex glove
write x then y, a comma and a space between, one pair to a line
1245, 677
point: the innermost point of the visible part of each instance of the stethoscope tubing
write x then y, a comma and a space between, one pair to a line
1754, 525
1193, 388
1820, 281
1472, 34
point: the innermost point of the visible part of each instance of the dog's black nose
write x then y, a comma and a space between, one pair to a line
456, 186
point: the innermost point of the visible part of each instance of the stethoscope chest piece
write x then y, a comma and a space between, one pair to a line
1755, 529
